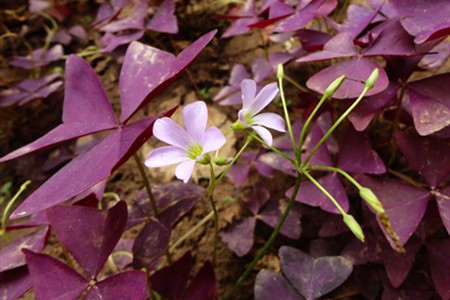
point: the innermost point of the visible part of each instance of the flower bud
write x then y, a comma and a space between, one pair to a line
280, 71
205, 159
370, 82
332, 88
354, 226
371, 199
222, 161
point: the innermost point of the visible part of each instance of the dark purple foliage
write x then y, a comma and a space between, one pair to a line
38, 58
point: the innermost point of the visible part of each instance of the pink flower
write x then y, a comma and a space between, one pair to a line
252, 104
187, 145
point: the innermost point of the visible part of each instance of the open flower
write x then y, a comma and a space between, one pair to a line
253, 104
189, 145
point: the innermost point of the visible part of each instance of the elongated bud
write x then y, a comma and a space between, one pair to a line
205, 159
332, 88
280, 71
371, 199
222, 161
354, 226
238, 125
370, 82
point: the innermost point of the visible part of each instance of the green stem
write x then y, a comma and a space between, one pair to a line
325, 192
10, 204
269, 242
286, 113
342, 172
191, 231
335, 125
210, 192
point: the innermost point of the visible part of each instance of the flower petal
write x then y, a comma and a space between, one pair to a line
184, 170
171, 133
264, 97
195, 117
241, 117
165, 156
248, 87
264, 134
214, 140
270, 120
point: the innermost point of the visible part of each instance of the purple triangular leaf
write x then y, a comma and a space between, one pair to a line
107, 155
430, 103
422, 20
164, 19
313, 40
255, 197
427, 155
311, 195
339, 46
133, 20
150, 244
300, 18
111, 41
356, 70
126, 285
239, 236
52, 279
38, 58
358, 18
270, 285
146, 71
86, 109
14, 283
404, 205
443, 203
203, 285
313, 277
171, 281
440, 265
73, 224
11, 254
322, 155
356, 154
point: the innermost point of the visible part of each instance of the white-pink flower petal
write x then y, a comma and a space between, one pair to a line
166, 156
171, 133
264, 134
184, 170
248, 87
214, 140
264, 97
195, 117
270, 120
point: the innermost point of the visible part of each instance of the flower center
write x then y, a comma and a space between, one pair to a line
248, 118
194, 151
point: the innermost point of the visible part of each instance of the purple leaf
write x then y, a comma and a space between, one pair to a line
14, 283
271, 215
171, 281
358, 18
238, 173
164, 19
86, 109
422, 20
30, 89
356, 154
443, 202
404, 205
361, 253
133, 20
256, 197
203, 285
311, 195
277, 162
313, 277
339, 46
11, 254
38, 5
146, 71
107, 155
239, 237
398, 265
126, 285
270, 285
38, 58
277, 11
430, 103
322, 155
440, 264
313, 40
437, 58
239, 27
369, 107
405, 294
88, 233
427, 155
262, 69
111, 41
52, 279
150, 244
392, 41
332, 226
357, 70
